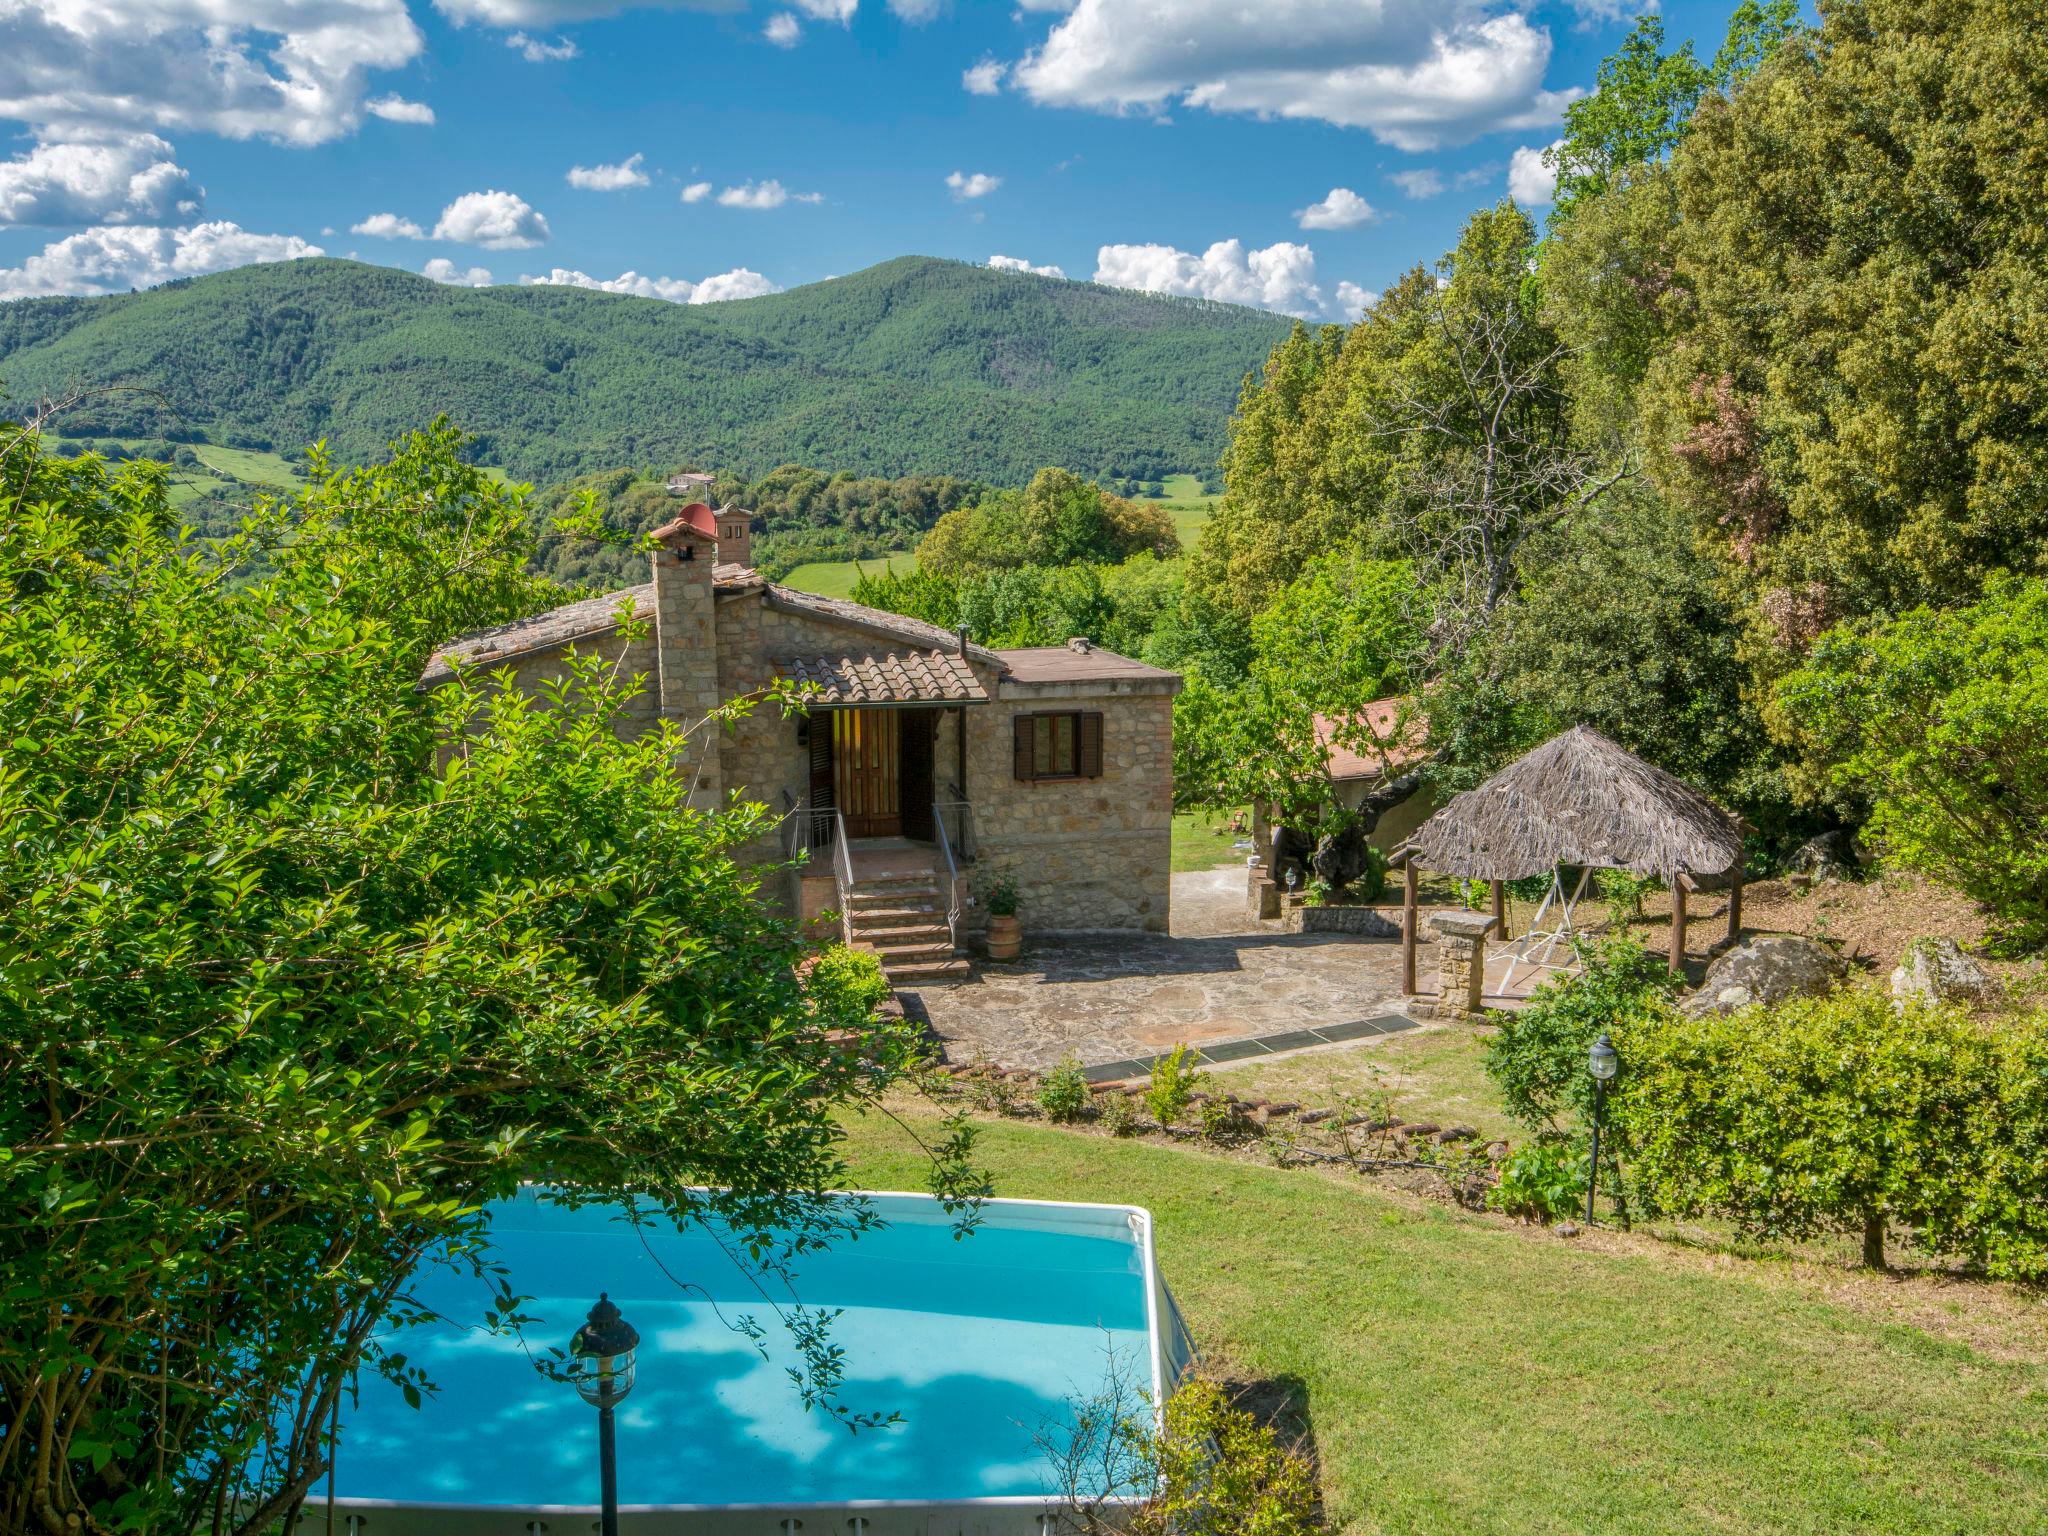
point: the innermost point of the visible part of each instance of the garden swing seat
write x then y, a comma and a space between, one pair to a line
1537, 948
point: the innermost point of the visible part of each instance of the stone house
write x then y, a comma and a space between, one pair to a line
925, 768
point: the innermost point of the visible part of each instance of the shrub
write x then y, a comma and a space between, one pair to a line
1224, 1473
1119, 1118
1001, 897
1538, 1057
853, 975
1840, 1113
1224, 1121
1941, 718
1174, 1080
1542, 1181
1063, 1095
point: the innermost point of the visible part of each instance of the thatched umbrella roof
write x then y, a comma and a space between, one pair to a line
1579, 799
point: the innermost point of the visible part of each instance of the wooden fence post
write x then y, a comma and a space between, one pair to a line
1408, 883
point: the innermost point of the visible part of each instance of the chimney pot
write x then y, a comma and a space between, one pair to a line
1080, 643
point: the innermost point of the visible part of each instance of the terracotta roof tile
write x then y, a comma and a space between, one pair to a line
888, 677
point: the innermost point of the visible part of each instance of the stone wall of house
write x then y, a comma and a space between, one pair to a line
1085, 853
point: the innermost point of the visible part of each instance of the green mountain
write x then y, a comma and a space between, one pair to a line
914, 366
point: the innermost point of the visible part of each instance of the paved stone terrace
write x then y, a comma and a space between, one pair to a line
1131, 997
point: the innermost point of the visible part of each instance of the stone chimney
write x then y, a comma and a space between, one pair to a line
686, 639
735, 536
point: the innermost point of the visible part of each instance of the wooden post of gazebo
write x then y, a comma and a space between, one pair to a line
1679, 882
1500, 909
1735, 907
1408, 885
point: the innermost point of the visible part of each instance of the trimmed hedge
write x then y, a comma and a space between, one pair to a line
1841, 1113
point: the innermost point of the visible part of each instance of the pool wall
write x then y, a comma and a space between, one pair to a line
1170, 1353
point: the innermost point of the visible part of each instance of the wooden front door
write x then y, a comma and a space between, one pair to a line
916, 779
866, 754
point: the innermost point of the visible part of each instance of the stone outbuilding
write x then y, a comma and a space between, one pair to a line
924, 768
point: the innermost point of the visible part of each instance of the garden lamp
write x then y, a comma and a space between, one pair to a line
603, 1372
1603, 1061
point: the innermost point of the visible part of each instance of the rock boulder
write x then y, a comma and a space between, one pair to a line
1937, 971
1766, 969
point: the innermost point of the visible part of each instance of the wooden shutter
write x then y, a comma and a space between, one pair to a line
1022, 727
821, 758
1088, 745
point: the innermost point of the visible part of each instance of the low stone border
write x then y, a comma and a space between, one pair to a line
1364, 922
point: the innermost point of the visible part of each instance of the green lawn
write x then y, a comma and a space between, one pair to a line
835, 578
1434, 1073
1203, 840
1463, 1374
1189, 505
249, 466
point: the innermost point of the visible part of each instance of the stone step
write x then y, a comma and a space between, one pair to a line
925, 913
929, 973
912, 953
893, 938
866, 897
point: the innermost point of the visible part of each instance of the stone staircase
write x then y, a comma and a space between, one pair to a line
901, 918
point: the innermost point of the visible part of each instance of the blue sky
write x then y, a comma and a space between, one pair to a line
1336, 142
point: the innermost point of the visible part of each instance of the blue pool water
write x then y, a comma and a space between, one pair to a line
978, 1342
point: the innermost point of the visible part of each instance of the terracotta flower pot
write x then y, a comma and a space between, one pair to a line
1005, 937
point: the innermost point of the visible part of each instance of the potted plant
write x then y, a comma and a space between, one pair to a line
1005, 933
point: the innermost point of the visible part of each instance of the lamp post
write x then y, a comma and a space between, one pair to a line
603, 1373
1603, 1061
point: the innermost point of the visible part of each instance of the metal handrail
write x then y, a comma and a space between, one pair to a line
952, 877
959, 805
843, 868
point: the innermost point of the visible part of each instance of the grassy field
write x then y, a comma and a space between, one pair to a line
1203, 840
1434, 1073
249, 466
1189, 505
1464, 1373
835, 578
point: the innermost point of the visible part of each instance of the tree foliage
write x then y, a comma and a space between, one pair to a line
1941, 719
290, 993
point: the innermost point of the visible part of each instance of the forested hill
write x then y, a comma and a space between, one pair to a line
916, 365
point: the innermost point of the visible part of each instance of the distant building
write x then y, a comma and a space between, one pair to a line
691, 483
944, 764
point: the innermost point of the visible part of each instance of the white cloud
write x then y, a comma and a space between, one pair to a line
696, 191
108, 259
388, 226
549, 13
1419, 184
967, 187
290, 70
783, 30
762, 195
1280, 277
985, 78
1353, 301
1342, 209
916, 12
609, 178
1414, 73
539, 51
497, 221
1530, 182
442, 270
396, 109
124, 179
1019, 264
739, 283
840, 11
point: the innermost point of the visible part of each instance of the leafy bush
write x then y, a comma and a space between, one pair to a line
1224, 1121
1538, 1057
1838, 1113
1063, 1095
1941, 718
1542, 1181
1119, 1118
1624, 893
1001, 897
854, 974
1222, 1472
1174, 1080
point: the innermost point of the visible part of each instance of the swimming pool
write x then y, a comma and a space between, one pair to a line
979, 1342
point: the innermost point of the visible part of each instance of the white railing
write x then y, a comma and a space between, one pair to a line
820, 829
843, 868
952, 876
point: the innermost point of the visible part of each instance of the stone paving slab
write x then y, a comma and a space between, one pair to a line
1129, 998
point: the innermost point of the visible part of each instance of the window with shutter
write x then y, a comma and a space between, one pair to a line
1067, 745
1088, 751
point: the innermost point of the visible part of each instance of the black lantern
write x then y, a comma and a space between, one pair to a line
602, 1368
1603, 1061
